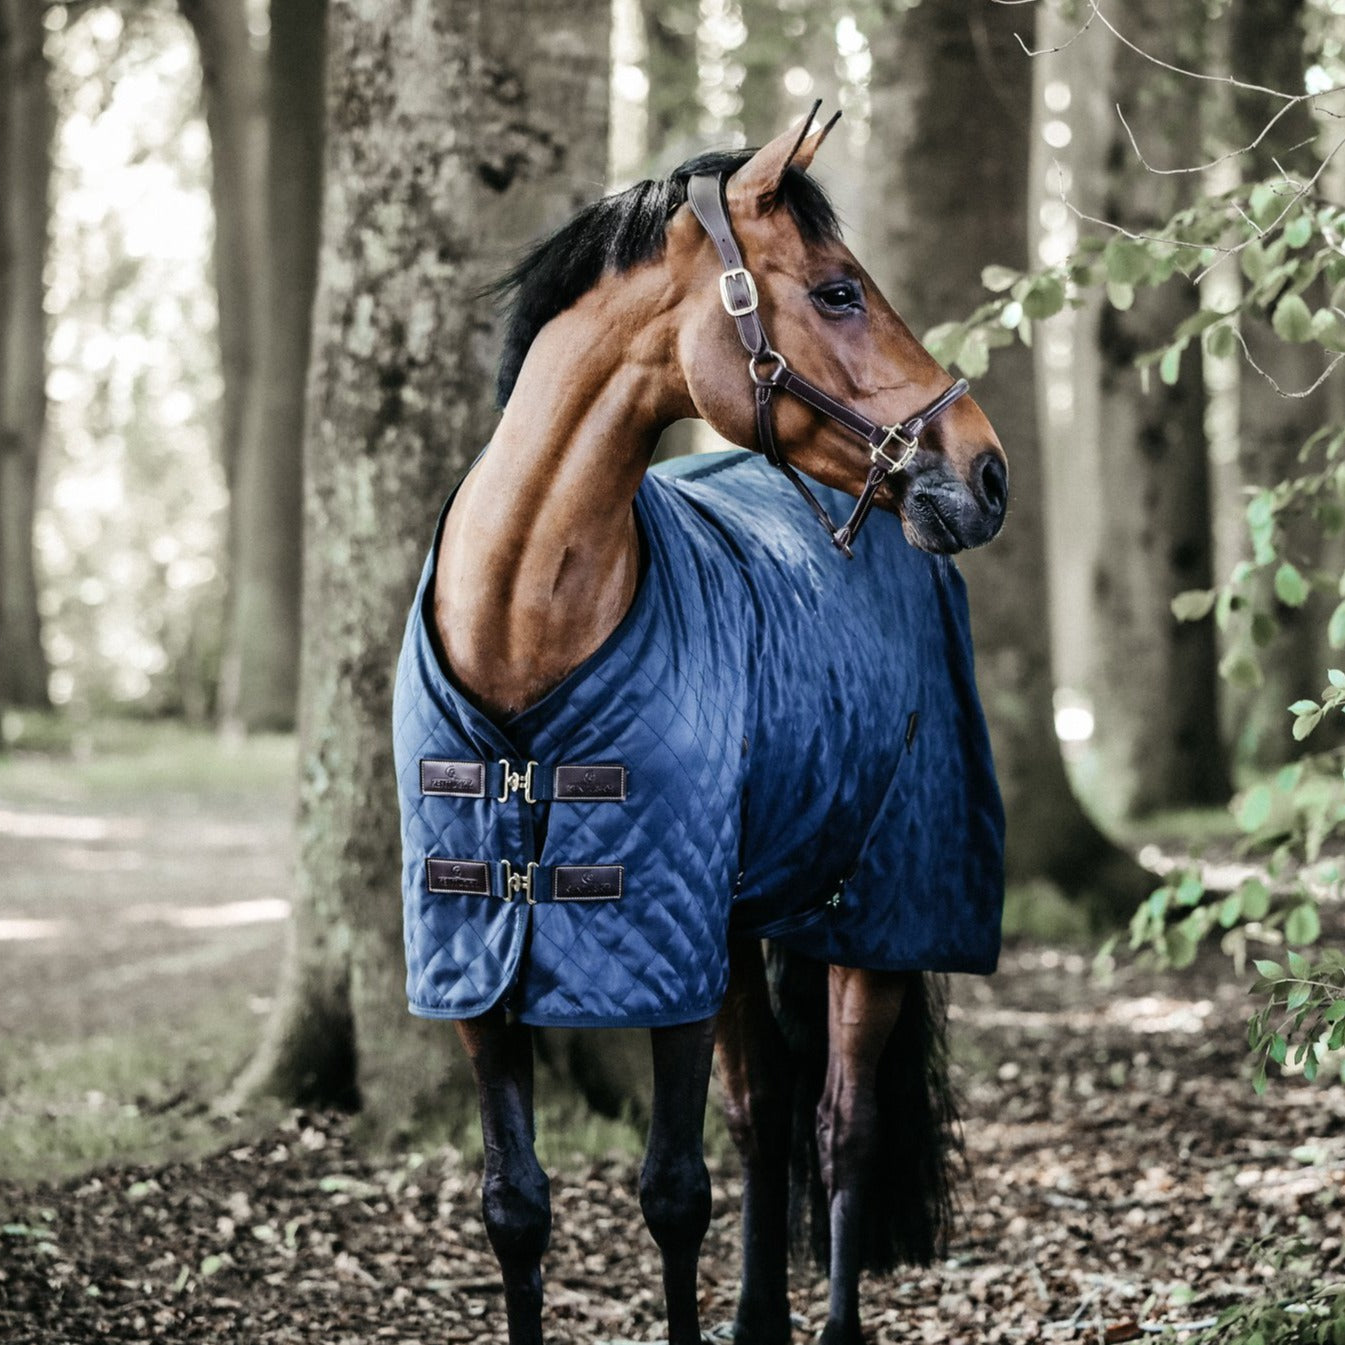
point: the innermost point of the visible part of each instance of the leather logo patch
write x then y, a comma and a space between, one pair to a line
461, 779
591, 784
587, 882
471, 877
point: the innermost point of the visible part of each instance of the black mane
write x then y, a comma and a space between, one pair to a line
618, 232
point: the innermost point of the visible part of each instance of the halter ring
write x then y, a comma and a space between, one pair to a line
775, 375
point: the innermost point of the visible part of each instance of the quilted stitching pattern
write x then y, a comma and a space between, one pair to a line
758, 691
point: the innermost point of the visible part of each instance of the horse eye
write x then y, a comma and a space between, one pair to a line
839, 295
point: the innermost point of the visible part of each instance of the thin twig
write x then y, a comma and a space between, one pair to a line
1307, 392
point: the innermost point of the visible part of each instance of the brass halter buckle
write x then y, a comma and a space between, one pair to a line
880, 458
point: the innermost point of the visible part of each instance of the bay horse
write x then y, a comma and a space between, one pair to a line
667, 758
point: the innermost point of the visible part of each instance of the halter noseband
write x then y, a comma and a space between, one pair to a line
769, 371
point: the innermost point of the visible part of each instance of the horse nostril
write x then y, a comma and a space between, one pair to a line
989, 472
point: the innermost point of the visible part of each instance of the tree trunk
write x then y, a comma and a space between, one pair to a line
1155, 683
25, 171
260, 672
231, 83
1266, 46
455, 132
948, 195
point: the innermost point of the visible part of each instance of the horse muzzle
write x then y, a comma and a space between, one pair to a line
944, 514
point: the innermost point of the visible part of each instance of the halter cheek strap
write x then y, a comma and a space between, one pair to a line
891, 447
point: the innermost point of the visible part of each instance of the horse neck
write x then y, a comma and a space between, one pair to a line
540, 558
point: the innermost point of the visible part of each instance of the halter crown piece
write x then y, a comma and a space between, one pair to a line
891, 447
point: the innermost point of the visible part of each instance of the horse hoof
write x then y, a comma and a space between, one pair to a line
842, 1333
775, 1332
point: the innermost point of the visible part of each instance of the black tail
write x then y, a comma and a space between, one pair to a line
911, 1179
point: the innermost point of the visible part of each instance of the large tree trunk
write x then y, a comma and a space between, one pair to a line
1266, 46
1155, 683
260, 672
948, 187
25, 170
455, 131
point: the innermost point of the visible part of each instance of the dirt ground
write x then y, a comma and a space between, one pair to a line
1123, 1175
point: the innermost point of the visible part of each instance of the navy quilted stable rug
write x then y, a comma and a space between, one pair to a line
775, 740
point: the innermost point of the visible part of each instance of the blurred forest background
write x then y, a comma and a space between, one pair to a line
244, 357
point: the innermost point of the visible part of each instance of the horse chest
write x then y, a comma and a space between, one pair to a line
760, 773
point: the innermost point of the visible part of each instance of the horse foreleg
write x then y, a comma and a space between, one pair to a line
754, 1067
674, 1183
862, 1010
515, 1193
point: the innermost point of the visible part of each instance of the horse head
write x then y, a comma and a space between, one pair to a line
831, 322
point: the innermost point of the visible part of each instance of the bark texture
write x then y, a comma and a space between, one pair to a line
25, 172
455, 132
1266, 46
1155, 682
948, 195
260, 672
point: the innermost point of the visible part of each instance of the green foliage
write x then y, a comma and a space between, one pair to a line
1288, 245
1300, 1306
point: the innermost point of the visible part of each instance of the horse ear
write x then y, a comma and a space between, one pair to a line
754, 186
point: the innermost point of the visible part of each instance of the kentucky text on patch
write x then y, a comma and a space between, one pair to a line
462, 779
590, 784
470, 877
587, 882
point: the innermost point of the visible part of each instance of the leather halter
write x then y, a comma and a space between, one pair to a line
738, 292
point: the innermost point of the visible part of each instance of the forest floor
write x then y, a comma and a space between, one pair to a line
1123, 1176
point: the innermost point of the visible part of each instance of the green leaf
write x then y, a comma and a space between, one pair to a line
1302, 707
1258, 1087
1045, 298
1128, 261
1310, 1066
997, 279
1290, 586
1254, 263
1279, 1048
1272, 971
1336, 677
1298, 997
1305, 724
1169, 367
1334, 1012
1221, 341
1194, 604
211, 1265
1328, 327
1298, 230
1304, 925
1230, 908
1292, 320
974, 357
1255, 906
1121, 297
1254, 810
1240, 669
1263, 203
944, 342
1335, 628
1180, 947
